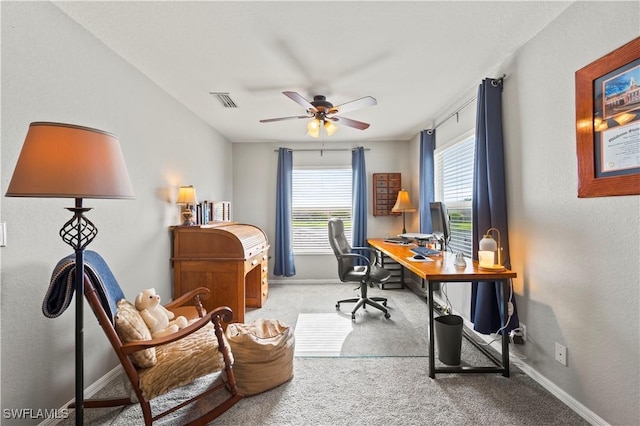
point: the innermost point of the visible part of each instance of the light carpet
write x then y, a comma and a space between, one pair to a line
375, 390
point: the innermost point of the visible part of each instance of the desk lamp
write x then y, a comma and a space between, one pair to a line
68, 161
403, 204
187, 196
489, 250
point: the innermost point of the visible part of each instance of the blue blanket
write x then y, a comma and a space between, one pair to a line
62, 284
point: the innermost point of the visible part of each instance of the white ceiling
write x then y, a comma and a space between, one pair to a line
416, 58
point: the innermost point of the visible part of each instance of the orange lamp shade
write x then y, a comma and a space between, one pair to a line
68, 161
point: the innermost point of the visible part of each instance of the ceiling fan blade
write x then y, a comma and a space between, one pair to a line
296, 97
351, 123
269, 120
354, 105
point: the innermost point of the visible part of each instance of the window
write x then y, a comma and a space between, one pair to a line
454, 187
317, 195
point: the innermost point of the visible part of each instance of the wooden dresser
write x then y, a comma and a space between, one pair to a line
229, 259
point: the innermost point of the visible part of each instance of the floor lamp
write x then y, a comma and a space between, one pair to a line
68, 161
403, 205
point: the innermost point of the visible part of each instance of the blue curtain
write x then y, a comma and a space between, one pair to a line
359, 204
427, 177
283, 265
489, 206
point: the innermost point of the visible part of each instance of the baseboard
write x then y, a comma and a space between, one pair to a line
567, 399
547, 384
90, 391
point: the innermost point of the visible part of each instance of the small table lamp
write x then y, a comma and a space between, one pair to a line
489, 250
187, 196
403, 204
68, 161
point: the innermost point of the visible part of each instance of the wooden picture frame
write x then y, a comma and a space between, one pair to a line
608, 124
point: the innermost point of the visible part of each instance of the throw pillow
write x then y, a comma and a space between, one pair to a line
131, 327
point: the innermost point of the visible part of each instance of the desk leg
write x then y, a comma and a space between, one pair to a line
505, 336
432, 361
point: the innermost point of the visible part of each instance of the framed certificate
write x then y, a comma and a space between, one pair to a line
608, 124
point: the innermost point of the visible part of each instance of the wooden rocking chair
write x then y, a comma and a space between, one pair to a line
201, 345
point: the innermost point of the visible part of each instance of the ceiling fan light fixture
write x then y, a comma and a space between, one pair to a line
330, 127
322, 113
313, 128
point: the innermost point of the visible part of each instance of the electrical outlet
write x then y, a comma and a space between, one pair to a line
561, 354
524, 331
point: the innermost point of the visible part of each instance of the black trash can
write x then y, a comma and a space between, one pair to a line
448, 329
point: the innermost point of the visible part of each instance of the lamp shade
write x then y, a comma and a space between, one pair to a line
187, 195
403, 203
313, 128
68, 161
490, 251
330, 128
487, 243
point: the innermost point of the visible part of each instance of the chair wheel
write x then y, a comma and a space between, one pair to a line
337, 306
353, 317
384, 303
387, 315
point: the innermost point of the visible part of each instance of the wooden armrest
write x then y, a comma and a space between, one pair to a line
222, 313
202, 292
188, 311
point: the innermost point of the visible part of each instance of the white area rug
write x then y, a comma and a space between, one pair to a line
321, 334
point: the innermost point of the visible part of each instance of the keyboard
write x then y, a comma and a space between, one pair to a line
426, 251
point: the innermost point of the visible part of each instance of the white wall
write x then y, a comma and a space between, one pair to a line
53, 70
577, 258
255, 167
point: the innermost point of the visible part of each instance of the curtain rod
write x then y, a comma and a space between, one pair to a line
466, 104
323, 149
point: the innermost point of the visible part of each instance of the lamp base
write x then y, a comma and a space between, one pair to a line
492, 268
187, 216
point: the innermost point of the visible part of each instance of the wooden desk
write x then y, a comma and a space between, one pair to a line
442, 269
230, 259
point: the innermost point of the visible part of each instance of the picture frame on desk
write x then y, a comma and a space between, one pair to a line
608, 124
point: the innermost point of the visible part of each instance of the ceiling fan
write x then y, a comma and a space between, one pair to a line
323, 113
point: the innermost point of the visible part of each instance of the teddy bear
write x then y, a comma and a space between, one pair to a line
159, 319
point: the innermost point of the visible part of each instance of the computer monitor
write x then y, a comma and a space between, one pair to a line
440, 222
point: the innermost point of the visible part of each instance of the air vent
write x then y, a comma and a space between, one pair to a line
224, 99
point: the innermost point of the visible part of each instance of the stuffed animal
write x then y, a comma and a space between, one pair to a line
159, 319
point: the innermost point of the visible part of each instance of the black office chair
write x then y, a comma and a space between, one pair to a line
366, 275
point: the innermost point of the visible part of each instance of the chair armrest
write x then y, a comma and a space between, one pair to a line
222, 313
370, 249
359, 256
201, 292
354, 255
